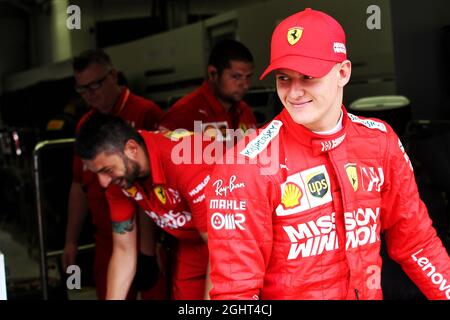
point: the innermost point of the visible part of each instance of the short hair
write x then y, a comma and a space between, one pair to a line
104, 133
226, 50
85, 58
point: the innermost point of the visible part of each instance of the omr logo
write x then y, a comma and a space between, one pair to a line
228, 221
317, 184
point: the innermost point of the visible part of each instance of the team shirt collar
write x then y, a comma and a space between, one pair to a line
157, 176
319, 143
121, 102
216, 107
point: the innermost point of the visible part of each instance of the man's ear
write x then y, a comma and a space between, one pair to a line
345, 71
212, 72
131, 149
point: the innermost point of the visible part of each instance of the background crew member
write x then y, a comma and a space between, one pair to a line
218, 102
96, 81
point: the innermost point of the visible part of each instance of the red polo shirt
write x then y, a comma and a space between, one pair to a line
202, 105
173, 193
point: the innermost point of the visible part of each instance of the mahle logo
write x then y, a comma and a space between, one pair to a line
317, 184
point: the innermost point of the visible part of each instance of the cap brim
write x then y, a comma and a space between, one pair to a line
312, 67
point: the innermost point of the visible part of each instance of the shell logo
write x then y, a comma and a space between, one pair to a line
291, 196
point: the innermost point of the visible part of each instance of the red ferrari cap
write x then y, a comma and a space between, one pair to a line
310, 42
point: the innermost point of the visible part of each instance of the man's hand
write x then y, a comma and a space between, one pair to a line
77, 212
147, 272
69, 255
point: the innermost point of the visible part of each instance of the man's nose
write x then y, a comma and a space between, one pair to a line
246, 83
90, 93
296, 90
104, 180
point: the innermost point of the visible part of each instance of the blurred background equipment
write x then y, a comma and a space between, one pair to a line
395, 110
52, 168
3, 295
428, 145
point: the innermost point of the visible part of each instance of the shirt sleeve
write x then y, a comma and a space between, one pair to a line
240, 235
192, 185
121, 207
77, 169
180, 116
250, 117
411, 240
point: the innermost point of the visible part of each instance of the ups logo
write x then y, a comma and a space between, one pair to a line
317, 185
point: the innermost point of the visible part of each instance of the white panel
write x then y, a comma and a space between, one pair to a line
53, 71
2, 278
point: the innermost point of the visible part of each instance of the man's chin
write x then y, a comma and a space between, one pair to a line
125, 184
100, 108
238, 98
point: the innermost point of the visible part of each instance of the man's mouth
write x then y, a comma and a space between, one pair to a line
121, 182
299, 104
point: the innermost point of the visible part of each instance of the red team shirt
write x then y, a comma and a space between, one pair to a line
173, 194
202, 105
173, 197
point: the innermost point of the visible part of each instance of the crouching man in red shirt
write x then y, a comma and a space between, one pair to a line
138, 169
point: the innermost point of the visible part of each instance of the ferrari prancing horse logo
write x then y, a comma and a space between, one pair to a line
294, 35
160, 194
352, 174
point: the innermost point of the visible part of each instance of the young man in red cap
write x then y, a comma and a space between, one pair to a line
218, 103
308, 226
141, 169
97, 83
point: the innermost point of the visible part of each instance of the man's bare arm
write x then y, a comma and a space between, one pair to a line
122, 266
76, 215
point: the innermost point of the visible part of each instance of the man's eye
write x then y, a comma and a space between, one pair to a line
282, 78
308, 77
94, 86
